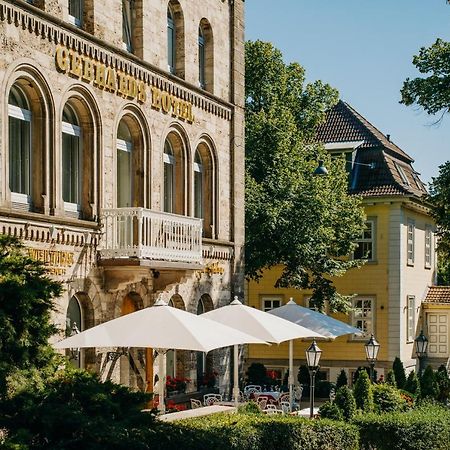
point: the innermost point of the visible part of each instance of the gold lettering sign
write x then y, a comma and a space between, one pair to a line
56, 261
122, 84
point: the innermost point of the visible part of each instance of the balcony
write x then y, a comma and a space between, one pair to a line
144, 234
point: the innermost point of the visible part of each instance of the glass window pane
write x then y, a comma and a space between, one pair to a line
71, 168
168, 187
198, 194
19, 156
124, 197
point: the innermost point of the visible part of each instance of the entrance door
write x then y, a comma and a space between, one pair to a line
437, 324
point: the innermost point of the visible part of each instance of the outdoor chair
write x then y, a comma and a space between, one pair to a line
272, 409
285, 407
195, 403
251, 389
284, 398
261, 402
210, 399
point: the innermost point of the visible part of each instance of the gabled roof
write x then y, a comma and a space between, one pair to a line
391, 172
438, 294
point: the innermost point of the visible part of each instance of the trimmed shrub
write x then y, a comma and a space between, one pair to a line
399, 372
342, 379
387, 398
257, 374
249, 408
330, 411
390, 378
363, 392
424, 428
245, 432
303, 375
346, 402
443, 384
428, 385
412, 384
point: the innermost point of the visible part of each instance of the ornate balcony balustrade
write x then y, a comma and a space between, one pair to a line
146, 234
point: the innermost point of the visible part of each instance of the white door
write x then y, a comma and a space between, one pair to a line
437, 324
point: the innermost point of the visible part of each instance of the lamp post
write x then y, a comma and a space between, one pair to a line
372, 347
313, 354
74, 352
421, 344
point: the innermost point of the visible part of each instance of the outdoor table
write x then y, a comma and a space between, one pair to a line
275, 395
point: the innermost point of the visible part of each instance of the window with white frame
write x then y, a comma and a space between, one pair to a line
128, 12
269, 303
201, 59
402, 174
76, 12
366, 243
410, 317
71, 160
19, 120
198, 186
410, 250
171, 40
169, 178
363, 315
428, 246
124, 166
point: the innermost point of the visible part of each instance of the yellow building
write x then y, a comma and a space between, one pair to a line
398, 242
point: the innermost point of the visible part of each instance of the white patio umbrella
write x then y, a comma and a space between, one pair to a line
267, 327
161, 327
314, 320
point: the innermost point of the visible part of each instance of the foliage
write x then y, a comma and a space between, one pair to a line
255, 432
399, 372
176, 383
363, 392
390, 378
345, 401
75, 410
26, 304
443, 384
388, 398
208, 379
305, 223
363, 369
428, 385
412, 384
330, 411
249, 408
303, 375
342, 379
424, 428
257, 374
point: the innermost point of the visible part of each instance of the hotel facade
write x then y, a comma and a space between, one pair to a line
122, 161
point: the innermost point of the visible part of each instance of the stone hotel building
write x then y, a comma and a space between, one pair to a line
122, 161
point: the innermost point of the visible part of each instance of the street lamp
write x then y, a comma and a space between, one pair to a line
421, 344
313, 354
74, 352
372, 348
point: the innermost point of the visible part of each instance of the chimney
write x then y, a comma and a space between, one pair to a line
388, 136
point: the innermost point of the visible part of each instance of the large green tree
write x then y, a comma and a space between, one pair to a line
26, 304
306, 223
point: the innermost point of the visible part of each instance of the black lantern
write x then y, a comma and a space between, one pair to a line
74, 352
313, 354
372, 348
321, 169
421, 343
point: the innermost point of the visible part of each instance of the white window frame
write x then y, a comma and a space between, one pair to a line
198, 202
373, 225
272, 299
402, 174
410, 242
74, 20
172, 37
410, 318
363, 314
22, 114
428, 254
74, 130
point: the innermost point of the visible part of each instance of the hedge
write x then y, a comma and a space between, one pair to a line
423, 428
255, 432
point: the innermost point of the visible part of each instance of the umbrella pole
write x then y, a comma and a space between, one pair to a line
162, 379
291, 373
236, 375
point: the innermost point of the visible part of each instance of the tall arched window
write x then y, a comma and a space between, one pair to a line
169, 178
175, 38
205, 56
74, 323
201, 59
71, 160
198, 186
19, 117
124, 166
171, 40
128, 24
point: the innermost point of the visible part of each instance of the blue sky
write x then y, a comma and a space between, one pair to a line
364, 49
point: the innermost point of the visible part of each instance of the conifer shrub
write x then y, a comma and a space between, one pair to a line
399, 372
342, 379
330, 411
428, 386
443, 384
390, 378
412, 384
363, 392
346, 402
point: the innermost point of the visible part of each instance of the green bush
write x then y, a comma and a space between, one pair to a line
257, 374
346, 402
412, 384
387, 398
424, 428
249, 408
342, 379
363, 392
443, 384
303, 375
390, 378
399, 372
428, 386
330, 411
252, 432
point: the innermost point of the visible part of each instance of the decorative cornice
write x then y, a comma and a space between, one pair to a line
60, 33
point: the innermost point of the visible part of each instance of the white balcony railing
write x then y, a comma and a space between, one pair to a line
143, 233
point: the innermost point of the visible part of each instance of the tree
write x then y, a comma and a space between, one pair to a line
390, 378
305, 223
26, 304
399, 372
363, 392
428, 385
346, 402
412, 384
342, 379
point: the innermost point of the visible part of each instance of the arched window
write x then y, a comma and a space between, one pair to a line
128, 24
71, 160
124, 166
169, 178
201, 59
74, 324
19, 117
205, 56
171, 40
198, 186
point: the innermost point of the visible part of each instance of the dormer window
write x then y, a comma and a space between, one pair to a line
402, 174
